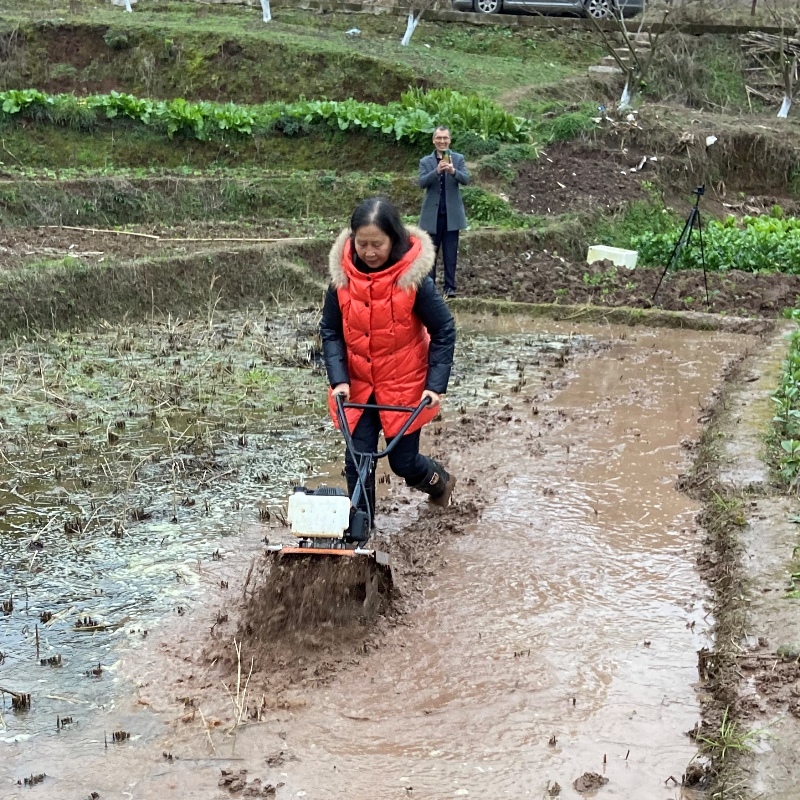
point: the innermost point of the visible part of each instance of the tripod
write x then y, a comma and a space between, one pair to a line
686, 234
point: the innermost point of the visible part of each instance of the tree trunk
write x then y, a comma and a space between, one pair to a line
785, 106
410, 27
267, 15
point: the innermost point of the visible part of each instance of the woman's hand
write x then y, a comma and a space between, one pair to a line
435, 399
342, 389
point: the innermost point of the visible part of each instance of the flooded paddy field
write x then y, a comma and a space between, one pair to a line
546, 628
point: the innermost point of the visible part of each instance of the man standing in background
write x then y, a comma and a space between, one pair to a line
441, 174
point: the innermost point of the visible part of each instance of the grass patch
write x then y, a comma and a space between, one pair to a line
642, 215
699, 72
109, 202
730, 738
487, 209
130, 146
504, 162
554, 121
209, 52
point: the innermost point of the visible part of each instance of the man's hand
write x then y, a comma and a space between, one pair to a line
342, 389
435, 399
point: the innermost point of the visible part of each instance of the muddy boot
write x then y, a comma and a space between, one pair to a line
439, 484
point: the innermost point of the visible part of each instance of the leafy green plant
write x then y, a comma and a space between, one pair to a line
784, 439
413, 119
790, 462
604, 281
467, 113
766, 243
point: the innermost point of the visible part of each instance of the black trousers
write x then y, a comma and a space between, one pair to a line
405, 459
447, 242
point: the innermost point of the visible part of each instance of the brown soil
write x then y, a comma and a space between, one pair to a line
531, 277
21, 246
547, 278
568, 179
589, 782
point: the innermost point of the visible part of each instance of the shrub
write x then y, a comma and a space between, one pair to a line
116, 40
489, 209
472, 144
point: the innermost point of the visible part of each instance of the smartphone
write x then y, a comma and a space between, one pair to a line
446, 157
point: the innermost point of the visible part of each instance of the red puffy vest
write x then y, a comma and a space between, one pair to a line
387, 344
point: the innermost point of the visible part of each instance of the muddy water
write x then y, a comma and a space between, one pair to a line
130, 455
562, 612
570, 610
215, 423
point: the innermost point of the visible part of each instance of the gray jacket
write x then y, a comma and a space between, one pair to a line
429, 180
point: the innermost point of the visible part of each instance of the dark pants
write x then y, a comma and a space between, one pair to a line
405, 459
447, 242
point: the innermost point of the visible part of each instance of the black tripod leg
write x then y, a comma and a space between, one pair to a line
703, 256
673, 259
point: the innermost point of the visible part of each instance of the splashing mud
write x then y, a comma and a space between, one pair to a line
305, 600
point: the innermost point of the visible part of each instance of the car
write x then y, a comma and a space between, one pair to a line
599, 9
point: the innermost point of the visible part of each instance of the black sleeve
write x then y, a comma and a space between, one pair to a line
332, 334
436, 317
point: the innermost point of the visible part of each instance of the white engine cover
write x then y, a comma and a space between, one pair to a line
318, 515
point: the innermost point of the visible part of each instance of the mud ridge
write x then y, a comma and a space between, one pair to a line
721, 567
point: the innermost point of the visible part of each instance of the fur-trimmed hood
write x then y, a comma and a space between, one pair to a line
412, 278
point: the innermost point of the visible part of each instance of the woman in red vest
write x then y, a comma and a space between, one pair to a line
388, 338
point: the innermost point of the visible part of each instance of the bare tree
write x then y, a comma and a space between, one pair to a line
266, 11
416, 8
635, 64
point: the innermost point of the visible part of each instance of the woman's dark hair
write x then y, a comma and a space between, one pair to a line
380, 212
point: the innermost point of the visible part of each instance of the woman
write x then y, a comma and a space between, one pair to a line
388, 338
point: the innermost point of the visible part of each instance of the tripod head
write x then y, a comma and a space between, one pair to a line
699, 190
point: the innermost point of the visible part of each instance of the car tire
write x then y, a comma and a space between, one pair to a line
487, 6
599, 9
